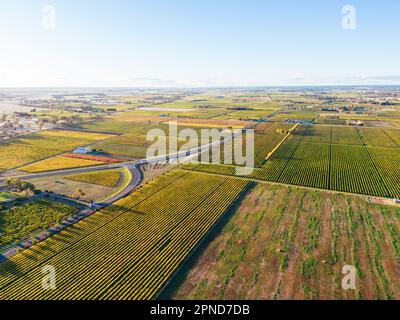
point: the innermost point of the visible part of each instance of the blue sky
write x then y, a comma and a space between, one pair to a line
198, 43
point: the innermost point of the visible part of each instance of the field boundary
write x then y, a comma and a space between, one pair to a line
369, 197
172, 283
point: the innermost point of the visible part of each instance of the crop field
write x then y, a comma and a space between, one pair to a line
236, 124
15, 155
107, 126
266, 138
108, 178
321, 196
377, 138
309, 164
140, 118
134, 145
346, 135
334, 158
394, 135
248, 114
75, 135
298, 115
7, 196
128, 250
211, 168
58, 163
19, 151
21, 220
122, 150
286, 243
104, 159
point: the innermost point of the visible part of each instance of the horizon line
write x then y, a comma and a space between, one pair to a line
203, 87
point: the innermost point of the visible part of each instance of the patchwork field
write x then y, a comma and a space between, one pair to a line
151, 234
335, 158
200, 231
19, 151
285, 243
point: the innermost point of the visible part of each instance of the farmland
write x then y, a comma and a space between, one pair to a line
108, 178
313, 203
329, 157
19, 221
29, 148
143, 230
287, 243
58, 163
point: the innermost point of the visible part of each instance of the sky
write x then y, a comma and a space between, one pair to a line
198, 43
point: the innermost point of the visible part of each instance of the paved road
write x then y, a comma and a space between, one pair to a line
182, 154
136, 178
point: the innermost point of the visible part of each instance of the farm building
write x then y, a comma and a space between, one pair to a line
83, 150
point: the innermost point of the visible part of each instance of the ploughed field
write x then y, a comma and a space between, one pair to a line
348, 159
128, 250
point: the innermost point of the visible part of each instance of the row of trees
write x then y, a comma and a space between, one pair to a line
29, 188
21, 186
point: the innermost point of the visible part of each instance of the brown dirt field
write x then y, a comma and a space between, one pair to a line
68, 187
319, 233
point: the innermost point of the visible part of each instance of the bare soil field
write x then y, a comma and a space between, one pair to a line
67, 187
292, 243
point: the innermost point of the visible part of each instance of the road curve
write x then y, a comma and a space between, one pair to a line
136, 177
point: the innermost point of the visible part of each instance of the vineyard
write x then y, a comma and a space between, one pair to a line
108, 178
92, 157
20, 221
128, 250
326, 157
59, 163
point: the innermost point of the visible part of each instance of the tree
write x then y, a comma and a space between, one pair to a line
19, 184
14, 183
27, 185
79, 193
